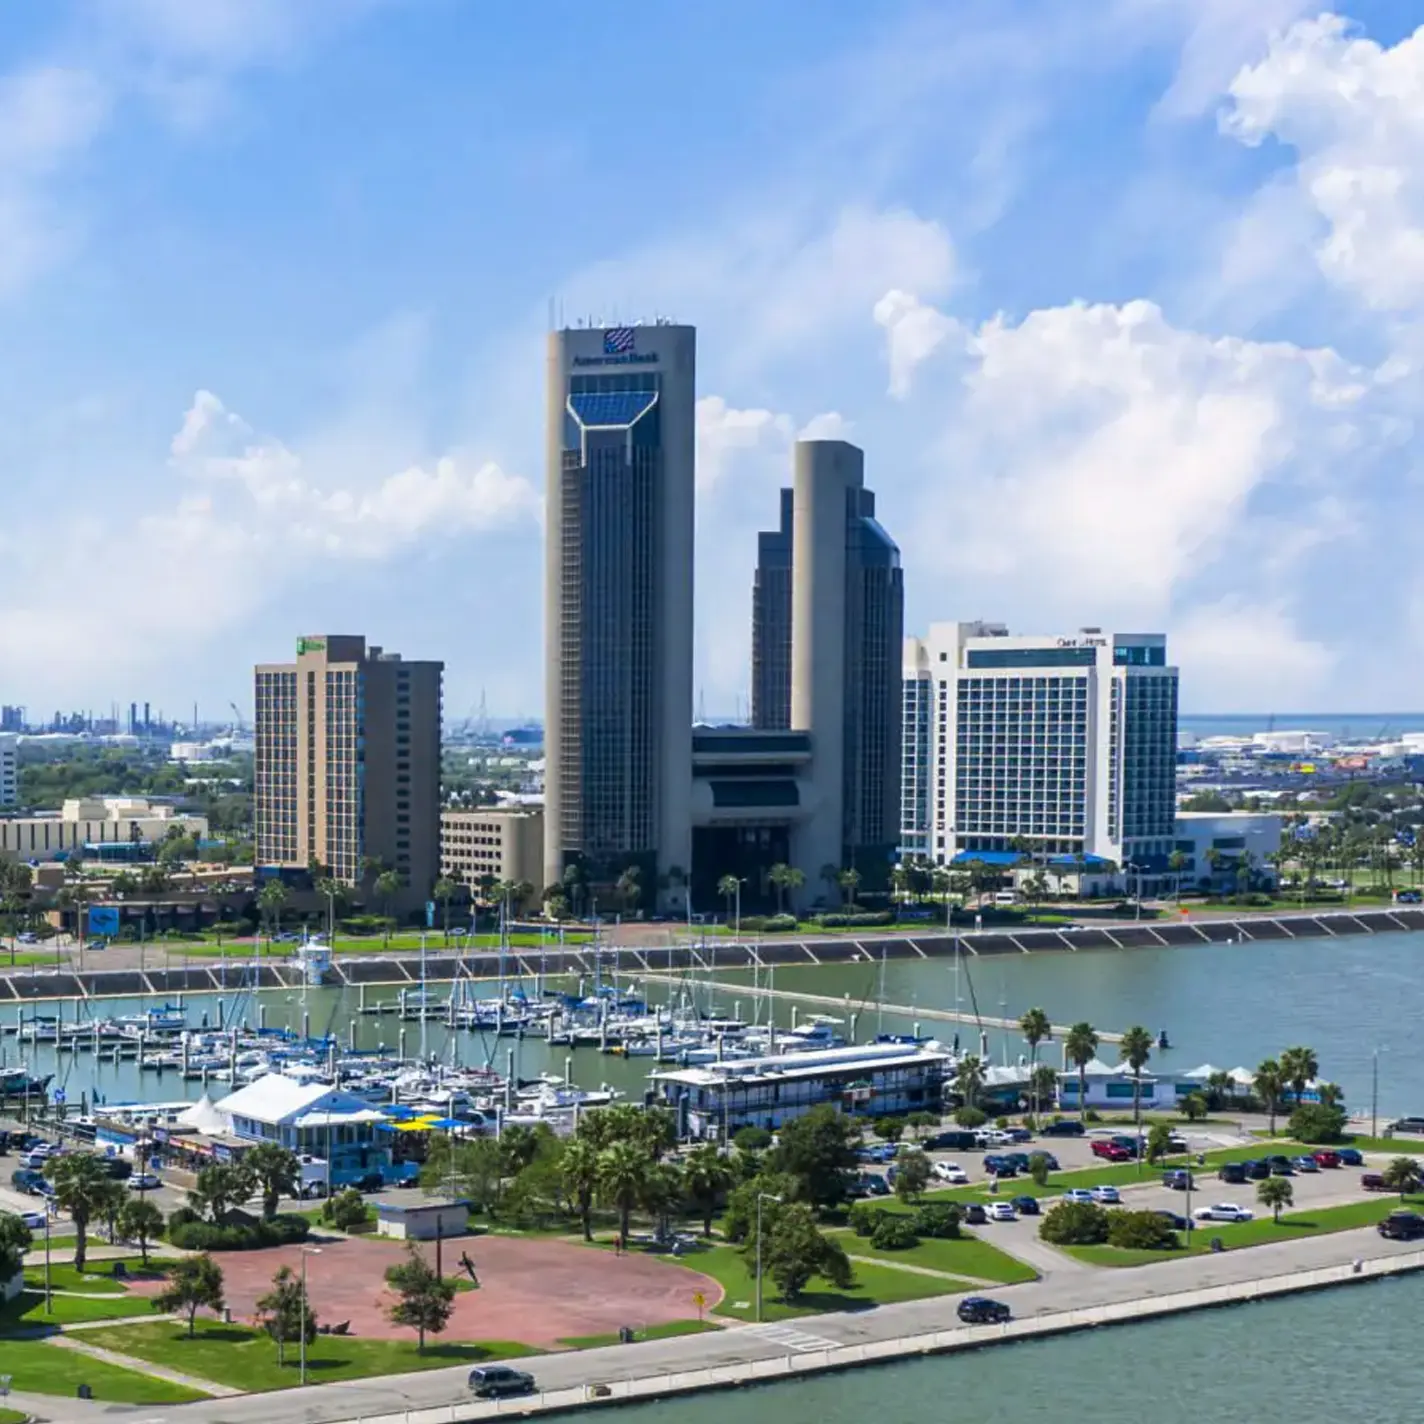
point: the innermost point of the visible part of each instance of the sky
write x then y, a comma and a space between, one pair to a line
1122, 299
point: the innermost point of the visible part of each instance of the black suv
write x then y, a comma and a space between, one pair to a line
980, 1310
1064, 1127
497, 1381
1234, 1172
1402, 1226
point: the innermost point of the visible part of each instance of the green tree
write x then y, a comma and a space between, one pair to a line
622, 1176
388, 884
1081, 1046
630, 888
271, 901
1141, 1231
1194, 1107
1038, 1168
15, 1240
849, 882
912, 1176
1313, 1122
285, 1313
1135, 1050
423, 1301
1269, 1082
1035, 1027
889, 1129
1402, 1175
969, 1079
1159, 1138
346, 1210
739, 1219
472, 1169
1075, 1224
1043, 1083
707, 1176
1176, 863
579, 1169
221, 1187
82, 1187
794, 1250
729, 888
818, 1150
778, 877
443, 891
1274, 1193
194, 1283
1300, 1067
275, 1172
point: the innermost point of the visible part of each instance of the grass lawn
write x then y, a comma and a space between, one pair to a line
44, 1369
246, 1359
27, 1310
12, 1416
964, 1256
98, 1277
1394, 1146
875, 1285
1260, 1232
666, 1331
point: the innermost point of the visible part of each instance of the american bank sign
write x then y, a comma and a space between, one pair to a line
620, 348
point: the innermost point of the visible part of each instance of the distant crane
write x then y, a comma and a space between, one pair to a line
237, 717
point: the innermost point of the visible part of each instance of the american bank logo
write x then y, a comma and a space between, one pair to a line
620, 348
618, 341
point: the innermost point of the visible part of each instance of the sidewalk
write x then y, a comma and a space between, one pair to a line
143, 1367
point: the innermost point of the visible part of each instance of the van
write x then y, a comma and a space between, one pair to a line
1006, 897
497, 1381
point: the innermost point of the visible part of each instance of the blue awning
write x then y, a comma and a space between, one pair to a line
617, 409
987, 857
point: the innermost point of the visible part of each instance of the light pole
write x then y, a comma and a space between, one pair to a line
761, 1197
737, 932
302, 1321
1374, 1088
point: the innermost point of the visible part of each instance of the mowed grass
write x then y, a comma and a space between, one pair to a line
1320, 1221
669, 1330
98, 1277
963, 1256
27, 1310
875, 1285
39, 1368
246, 1359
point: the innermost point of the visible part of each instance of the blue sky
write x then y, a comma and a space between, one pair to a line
1121, 297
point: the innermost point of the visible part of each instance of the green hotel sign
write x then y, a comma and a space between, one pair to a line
310, 645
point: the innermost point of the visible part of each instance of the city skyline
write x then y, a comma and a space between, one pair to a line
1146, 359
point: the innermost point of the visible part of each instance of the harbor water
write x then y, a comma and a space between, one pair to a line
1229, 1005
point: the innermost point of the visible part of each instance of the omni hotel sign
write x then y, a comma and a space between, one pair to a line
620, 348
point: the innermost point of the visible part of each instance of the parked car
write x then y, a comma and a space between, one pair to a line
35, 1220
1258, 1170
1001, 1211
1177, 1143
980, 1310
952, 1141
1110, 1151
1077, 1194
1407, 1126
950, 1172
874, 1186
1305, 1164
1017, 1160
1350, 1156
1131, 1145
1233, 1172
974, 1214
1373, 1182
1048, 1157
1222, 1211
1026, 1206
27, 1180
1176, 1222
1000, 1166
1282, 1169
1106, 1196
144, 1182
499, 1381
1064, 1127
119, 1168
1179, 1180
1326, 1158
1019, 1134
1402, 1226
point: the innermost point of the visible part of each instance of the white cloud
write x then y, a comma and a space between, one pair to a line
829, 425
722, 431
1354, 112
915, 332
1241, 657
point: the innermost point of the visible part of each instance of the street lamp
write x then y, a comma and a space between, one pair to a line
302, 1323
737, 932
761, 1197
1374, 1088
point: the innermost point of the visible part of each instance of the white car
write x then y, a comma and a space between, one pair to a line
951, 1173
1001, 1211
1078, 1195
1223, 1211
35, 1220
992, 1137
1106, 1196
144, 1182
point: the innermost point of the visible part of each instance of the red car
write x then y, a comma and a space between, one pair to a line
1326, 1158
1112, 1151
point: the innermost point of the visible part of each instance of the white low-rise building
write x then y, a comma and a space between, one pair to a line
1216, 842
111, 820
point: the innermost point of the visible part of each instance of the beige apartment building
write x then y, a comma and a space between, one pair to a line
506, 842
348, 761
94, 822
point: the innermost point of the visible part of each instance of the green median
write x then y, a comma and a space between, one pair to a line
35, 1367
960, 1256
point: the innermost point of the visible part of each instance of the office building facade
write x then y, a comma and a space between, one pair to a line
347, 762
493, 842
9, 770
771, 624
619, 505
1064, 744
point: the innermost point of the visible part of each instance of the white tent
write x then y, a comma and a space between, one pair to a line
203, 1116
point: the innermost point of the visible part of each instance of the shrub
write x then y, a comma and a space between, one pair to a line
1141, 1230
751, 1139
1075, 1224
863, 1218
971, 1117
894, 1233
938, 1219
1312, 1122
769, 924
1001, 1123
181, 1216
1092, 1115
841, 919
346, 1210
1038, 1168
194, 1235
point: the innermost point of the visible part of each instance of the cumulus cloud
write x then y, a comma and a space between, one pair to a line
914, 332
1242, 656
1353, 110
829, 425
723, 431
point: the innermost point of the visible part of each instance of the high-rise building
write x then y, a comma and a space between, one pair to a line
771, 624
618, 602
1064, 745
9, 771
348, 762
847, 630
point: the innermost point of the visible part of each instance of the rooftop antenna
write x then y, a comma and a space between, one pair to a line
702, 704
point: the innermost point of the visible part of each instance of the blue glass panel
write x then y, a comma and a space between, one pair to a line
616, 408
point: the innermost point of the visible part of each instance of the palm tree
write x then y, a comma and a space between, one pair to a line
707, 1174
794, 880
1275, 1193
622, 1174
778, 877
1269, 1082
969, 1078
1300, 1067
730, 889
82, 1187
849, 881
900, 881
1221, 1086
630, 888
1135, 1050
1403, 1176
276, 1172
1036, 1027
579, 1171
387, 886
442, 892
1081, 1046
271, 900
831, 874
1177, 863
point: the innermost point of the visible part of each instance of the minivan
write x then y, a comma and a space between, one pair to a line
1006, 897
498, 1381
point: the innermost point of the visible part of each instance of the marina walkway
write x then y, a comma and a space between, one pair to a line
845, 1004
